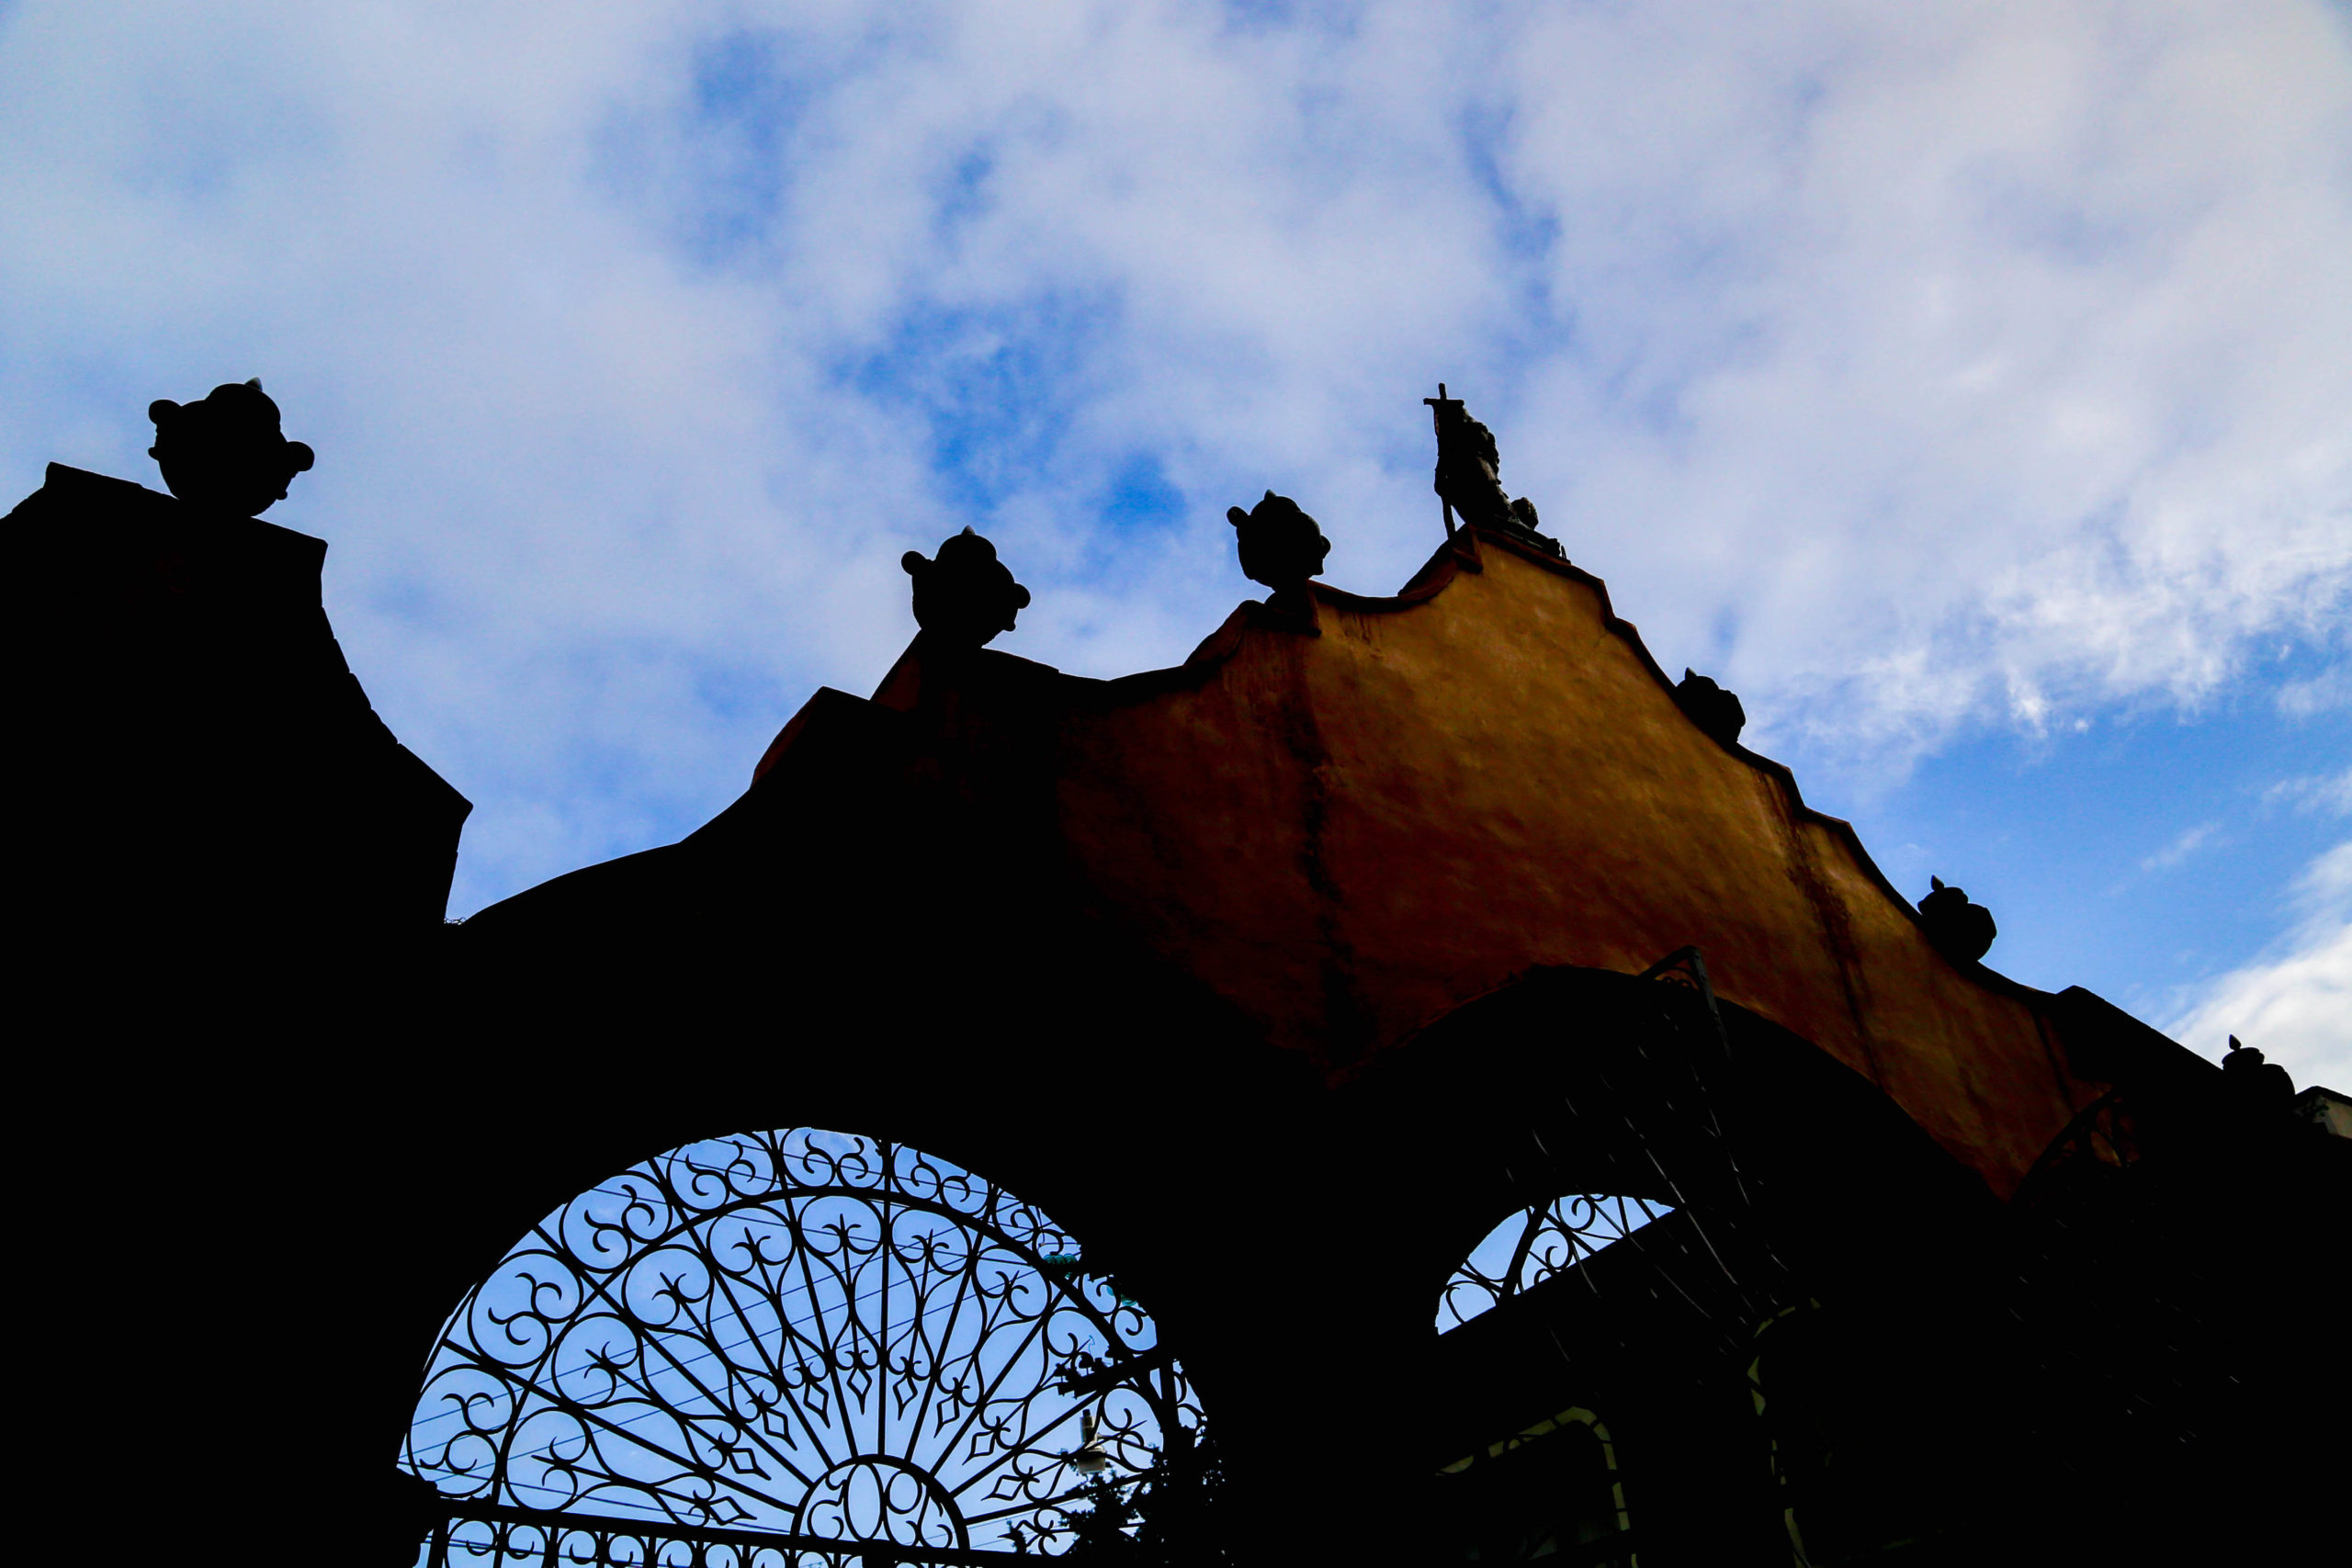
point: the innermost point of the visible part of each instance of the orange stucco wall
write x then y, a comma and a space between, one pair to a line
1350, 832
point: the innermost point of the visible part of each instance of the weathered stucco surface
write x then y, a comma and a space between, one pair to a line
1350, 830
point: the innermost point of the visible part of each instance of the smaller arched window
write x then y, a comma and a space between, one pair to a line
1529, 1248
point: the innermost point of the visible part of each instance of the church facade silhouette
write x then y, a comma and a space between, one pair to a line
1405, 1085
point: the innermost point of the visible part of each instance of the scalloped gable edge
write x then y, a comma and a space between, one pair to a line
1455, 557
1460, 554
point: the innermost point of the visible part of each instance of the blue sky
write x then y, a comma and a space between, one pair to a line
1967, 385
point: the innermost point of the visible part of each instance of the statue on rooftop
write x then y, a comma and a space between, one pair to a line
224, 454
1468, 481
1962, 930
1281, 546
965, 596
1717, 712
2253, 1082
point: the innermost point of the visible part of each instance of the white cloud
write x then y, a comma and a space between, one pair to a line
2189, 841
1906, 365
2294, 1003
2328, 794
2324, 692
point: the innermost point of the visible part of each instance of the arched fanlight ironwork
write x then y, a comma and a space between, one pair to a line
804, 1333
1528, 1248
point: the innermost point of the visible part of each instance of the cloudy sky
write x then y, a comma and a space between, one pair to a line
1967, 385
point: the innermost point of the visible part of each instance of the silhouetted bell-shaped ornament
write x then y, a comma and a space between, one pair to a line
225, 453
1960, 929
965, 596
1281, 546
1713, 709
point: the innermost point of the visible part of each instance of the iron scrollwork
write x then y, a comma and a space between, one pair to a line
1531, 1248
803, 1335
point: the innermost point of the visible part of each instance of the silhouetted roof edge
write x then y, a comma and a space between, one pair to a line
1440, 569
1458, 555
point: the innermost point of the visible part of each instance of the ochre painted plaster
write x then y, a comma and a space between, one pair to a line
1351, 830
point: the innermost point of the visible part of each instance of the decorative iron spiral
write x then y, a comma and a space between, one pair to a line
1529, 1248
804, 1332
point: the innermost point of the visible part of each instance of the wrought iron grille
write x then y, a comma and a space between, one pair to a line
798, 1335
487, 1536
1529, 1248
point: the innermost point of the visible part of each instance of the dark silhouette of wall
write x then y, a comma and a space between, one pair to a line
294, 1117
239, 880
193, 703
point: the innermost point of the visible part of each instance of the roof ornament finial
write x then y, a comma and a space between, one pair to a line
1716, 712
1468, 478
965, 596
1962, 930
1281, 546
226, 454
2253, 1082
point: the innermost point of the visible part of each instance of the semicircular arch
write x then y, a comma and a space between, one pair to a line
803, 1333
1572, 1083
